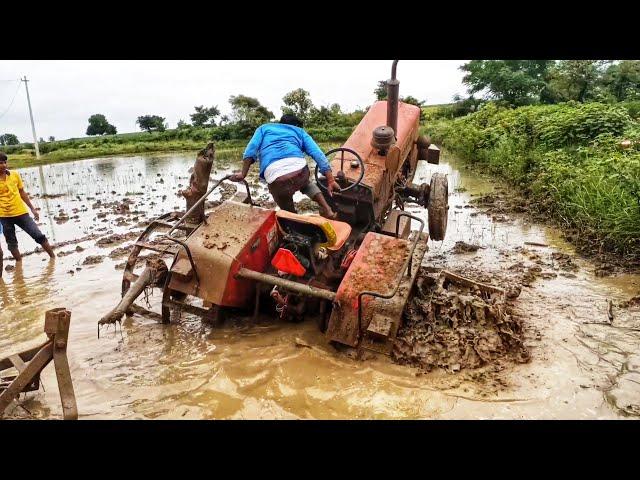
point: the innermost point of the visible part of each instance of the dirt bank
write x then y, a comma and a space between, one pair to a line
505, 202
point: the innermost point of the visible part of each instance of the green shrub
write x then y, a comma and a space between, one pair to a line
567, 157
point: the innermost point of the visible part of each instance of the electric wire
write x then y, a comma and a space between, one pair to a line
14, 97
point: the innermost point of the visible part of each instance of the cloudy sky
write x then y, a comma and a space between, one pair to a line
65, 93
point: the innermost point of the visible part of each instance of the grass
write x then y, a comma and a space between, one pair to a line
225, 150
185, 140
566, 159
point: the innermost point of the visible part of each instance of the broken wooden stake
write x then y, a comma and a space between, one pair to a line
30, 364
199, 182
153, 274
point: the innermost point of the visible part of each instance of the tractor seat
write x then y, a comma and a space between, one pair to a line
323, 228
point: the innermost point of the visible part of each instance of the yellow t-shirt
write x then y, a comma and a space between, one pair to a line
11, 204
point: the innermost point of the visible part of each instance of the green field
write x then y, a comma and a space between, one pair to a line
176, 140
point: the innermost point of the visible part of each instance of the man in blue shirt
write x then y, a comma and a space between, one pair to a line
280, 149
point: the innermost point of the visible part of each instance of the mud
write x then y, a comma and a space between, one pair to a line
456, 327
118, 238
306, 205
464, 247
93, 260
120, 252
632, 302
582, 364
504, 202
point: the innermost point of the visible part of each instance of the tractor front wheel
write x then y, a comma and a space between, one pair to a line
438, 206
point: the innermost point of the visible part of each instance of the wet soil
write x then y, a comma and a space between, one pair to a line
455, 327
504, 201
581, 331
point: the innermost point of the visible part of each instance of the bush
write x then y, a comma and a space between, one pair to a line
567, 157
633, 109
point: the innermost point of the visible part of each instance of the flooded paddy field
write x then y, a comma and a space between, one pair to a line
580, 365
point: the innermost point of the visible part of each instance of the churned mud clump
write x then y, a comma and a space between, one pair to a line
306, 205
93, 260
632, 302
458, 326
464, 247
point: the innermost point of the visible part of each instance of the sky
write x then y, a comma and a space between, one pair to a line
64, 94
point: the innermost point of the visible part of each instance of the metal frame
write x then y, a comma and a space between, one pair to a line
406, 266
188, 212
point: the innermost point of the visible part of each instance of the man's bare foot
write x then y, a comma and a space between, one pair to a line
47, 248
331, 215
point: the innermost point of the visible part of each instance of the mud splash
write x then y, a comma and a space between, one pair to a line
457, 326
582, 364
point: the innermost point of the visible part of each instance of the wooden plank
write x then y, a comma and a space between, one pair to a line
17, 362
65, 385
35, 366
25, 356
132, 277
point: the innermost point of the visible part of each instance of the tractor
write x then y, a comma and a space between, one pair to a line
353, 274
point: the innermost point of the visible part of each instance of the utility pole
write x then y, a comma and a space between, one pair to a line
33, 127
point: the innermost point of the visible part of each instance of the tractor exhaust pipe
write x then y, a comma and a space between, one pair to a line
393, 91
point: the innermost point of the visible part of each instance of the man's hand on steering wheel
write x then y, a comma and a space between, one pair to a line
332, 185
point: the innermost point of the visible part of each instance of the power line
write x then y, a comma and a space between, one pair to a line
14, 97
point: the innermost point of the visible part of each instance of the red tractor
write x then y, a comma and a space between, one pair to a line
354, 274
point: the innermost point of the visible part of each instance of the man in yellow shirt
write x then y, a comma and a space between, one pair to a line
13, 211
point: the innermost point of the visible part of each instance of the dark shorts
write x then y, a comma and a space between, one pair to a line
283, 188
26, 223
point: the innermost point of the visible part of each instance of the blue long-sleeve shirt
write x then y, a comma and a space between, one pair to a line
274, 141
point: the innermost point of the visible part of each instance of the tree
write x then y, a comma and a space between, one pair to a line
623, 80
9, 139
516, 82
325, 116
381, 90
98, 125
151, 122
182, 125
573, 80
463, 106
298, 102
418, 103
248, 113
224, 119
413, 101
41, 140
52, 138
205, 117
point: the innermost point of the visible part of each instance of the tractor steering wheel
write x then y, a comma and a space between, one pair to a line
342, 149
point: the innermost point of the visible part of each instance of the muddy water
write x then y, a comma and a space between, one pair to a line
270, 369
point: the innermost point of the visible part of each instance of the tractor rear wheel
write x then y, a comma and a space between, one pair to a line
438, 206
